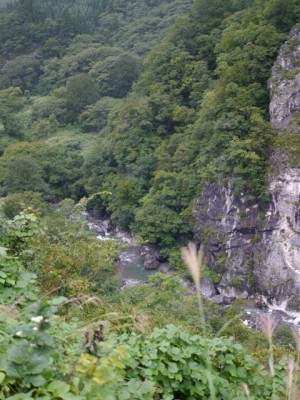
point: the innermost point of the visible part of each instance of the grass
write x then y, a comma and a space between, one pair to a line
194, 262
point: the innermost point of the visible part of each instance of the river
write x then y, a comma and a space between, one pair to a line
131, 261
131, 272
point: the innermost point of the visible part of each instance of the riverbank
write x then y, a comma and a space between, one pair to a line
137, 262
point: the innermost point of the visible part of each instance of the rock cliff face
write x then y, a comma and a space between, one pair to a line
277, 262
229, 226
251, 246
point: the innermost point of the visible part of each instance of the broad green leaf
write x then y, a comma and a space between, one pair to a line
3, 252
21, 396
2, 377
37, 364
58, 300
35, 380
58, 388
173, 368
147, 387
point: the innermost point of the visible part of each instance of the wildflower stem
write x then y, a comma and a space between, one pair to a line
271, 366
201, 310
194, 262
207, 355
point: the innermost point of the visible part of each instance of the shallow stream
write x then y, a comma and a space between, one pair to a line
131, 266
131, 261
131, 272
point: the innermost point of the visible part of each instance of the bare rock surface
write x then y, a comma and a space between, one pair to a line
277, 257
254, 246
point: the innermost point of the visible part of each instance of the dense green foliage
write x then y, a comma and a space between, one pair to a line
198, 110
51, 25
141, 102
56, 347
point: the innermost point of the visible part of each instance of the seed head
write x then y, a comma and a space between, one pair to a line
193, 260
268, 326
246, 389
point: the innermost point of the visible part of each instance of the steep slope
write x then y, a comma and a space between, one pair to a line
55, 44
49, 26
89, 118
255, 245
280, 248
198, 113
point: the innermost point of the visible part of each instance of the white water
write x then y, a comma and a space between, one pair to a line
292, 317
131, 271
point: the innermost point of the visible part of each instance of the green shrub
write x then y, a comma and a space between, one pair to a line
16, 202
46, 106
175, 361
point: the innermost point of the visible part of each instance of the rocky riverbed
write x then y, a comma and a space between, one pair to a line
137, 262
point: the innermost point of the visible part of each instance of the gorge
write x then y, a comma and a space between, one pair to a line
255, 245
129, 128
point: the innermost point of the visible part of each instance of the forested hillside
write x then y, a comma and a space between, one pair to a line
127, 108
198, 108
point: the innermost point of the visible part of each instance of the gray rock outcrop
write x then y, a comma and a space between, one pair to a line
229, 227
152, 258
253, 246
277, 257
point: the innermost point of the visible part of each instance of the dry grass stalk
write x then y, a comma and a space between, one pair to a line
84, 299
295, 389
9, 309
268, 326
246, 389
296, 335
141, 321
193, 260
290, 378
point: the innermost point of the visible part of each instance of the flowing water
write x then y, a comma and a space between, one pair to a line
130, 263
131, 272
131, 269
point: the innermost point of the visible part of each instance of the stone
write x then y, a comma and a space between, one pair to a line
230, 225
277, 257
126, 283
231, 292
218, 299
107, 225
207, 288
165, 268
254, 245
152, 257
187, 284
151, 261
